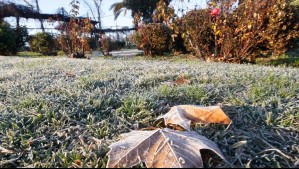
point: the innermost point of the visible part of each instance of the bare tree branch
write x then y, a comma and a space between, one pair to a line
98, 7
29, 4
97, 4
90, 8
38, 10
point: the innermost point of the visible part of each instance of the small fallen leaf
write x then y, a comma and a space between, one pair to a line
182, 81
179, 81
70, 75
161, 148
184, 115
78, 162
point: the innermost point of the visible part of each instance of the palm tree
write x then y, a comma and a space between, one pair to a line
145, 7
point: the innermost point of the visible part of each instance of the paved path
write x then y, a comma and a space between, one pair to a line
122, 53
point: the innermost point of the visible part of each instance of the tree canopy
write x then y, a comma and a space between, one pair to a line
144, 7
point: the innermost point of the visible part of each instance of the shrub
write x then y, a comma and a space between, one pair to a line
195, 28
42, 42
73, 39
177, 44
74, 34
22, 37
8, 39
11, 40
282, 27
92, 42
105, 45
153, 39
227, 33
136, 39
255, 27
117, 45
166, 14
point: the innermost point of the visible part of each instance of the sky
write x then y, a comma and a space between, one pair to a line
50, 6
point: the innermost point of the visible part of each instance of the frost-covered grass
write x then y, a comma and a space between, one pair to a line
59, 112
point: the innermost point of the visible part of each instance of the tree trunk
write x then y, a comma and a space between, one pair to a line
98, 6
41, 21
18, 22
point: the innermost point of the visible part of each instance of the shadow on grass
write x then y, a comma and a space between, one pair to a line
291, 59
286, 60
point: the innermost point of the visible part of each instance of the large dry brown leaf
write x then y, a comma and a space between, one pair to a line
184, 115
161, 148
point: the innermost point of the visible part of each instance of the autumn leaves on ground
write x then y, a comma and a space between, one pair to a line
59, 112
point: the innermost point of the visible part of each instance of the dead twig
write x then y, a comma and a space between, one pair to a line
274, 149
5, 151
12, 161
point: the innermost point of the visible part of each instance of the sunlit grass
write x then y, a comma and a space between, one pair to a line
36, 54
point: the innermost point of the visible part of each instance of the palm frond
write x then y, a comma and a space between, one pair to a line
116, 15
125, 12
116, 7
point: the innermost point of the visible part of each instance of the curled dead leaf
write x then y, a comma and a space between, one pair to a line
184, 115
161, 148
